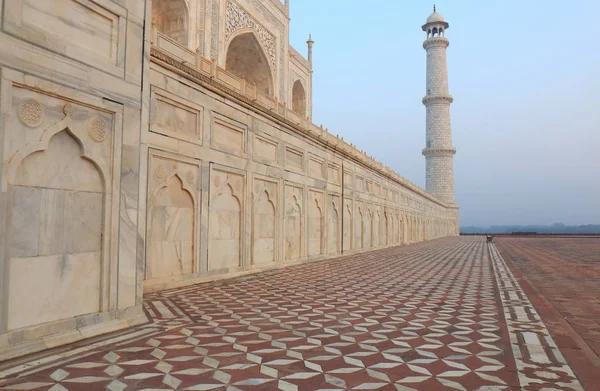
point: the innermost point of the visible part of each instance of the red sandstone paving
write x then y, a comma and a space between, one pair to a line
425, 316
561, 277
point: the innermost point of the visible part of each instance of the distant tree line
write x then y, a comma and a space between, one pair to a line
557, 228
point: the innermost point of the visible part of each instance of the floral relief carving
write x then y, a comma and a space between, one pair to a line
190, 177
237, 18
97, 129
160, 171
31, 113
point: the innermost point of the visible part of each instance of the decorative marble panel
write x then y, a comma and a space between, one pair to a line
333, 173
348, 180
293, 222
175, 117
264, 225
226, 209
368, 227
333, 224
92, 31
376, 226
266, 149
294, 159
59, 187
173, 211
228, 135
347, 226
316, 220
315, 167
359, 226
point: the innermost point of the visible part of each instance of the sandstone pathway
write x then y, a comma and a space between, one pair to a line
442, 315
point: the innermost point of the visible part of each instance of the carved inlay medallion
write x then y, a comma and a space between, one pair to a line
190, 177
160, 171
68, 109
31, 113
97, 129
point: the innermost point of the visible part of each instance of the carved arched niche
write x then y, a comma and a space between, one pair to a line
225, 220
264, 228
57, 203
246, 59
294, 225
171, 226
333, 236
315, 228
347, 228
299, 99
171, 18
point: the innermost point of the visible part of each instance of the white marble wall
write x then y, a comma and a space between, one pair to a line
270, 196
70, 82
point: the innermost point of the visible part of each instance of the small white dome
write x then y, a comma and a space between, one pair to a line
435, 18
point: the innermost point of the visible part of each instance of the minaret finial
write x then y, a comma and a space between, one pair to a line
434, 8
310, 43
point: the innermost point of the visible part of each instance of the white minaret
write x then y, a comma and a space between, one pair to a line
438, 150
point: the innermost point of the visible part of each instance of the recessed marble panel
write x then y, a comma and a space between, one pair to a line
175, 117
315, 223
228, 136
293, 222
225, 221
294, 159
48, 288
265, 149
171, 236
315, 167
264, 227
92, 31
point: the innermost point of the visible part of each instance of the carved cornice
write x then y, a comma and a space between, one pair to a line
433, 99
439, 152
327, 140
436, 41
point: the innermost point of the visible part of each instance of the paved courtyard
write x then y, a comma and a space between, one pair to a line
561, 276
443, 315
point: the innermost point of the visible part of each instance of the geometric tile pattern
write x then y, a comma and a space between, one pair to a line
539, 361
420, 317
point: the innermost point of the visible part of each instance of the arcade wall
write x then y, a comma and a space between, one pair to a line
131, 163
237, 182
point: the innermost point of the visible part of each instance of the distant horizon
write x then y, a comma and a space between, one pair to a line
525, 116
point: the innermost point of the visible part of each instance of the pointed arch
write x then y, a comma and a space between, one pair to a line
293, 229
247, 60
333, 235
225, 226
299, 99
54, 185
263, 245
171, 17
315, 229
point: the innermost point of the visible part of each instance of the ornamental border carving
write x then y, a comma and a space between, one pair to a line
236, 18
264, 11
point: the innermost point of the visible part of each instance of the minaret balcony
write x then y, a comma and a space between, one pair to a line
432, 99
436, 41
439, 152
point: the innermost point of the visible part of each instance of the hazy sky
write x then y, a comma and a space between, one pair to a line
525, 76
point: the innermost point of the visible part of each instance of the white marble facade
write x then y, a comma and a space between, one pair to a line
207, 167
